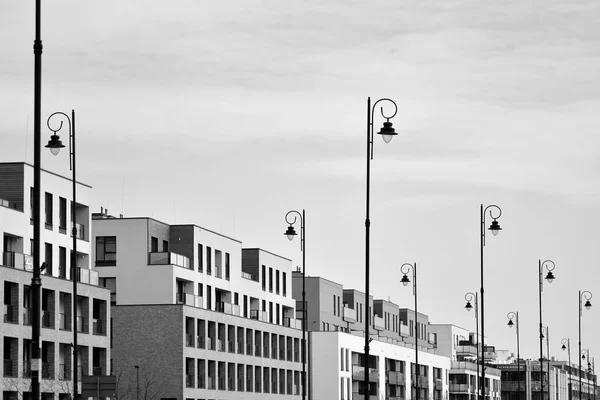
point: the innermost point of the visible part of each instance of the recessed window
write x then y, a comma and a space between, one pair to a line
106, 250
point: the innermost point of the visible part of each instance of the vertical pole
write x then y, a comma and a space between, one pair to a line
518, 362
548, 356
416, 333
482, 395
367, 240
137, 371
303, 242
74, 257
540, 286
570, 370
36, 281
477, 340
579, 372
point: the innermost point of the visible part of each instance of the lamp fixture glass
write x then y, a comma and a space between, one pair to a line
387, 132
290, 233
495, 227
550, 277
405, 281
55, 144
588, 305
510, 323
468, 307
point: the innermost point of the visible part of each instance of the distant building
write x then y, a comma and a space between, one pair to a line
93, 311
199, 316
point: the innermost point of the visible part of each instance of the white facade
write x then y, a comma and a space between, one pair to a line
16, 265
336, 371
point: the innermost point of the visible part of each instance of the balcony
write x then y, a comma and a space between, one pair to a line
349, 314
220, 345
378, 322
46, 322
190, 300
63, 322
169, 258
466, 350
228, 308
88, 276
358, 373
422, 380
189, 340
292, 323
432, 339
10, 314
396, 378
231, 346
460, 388
64, 372
250, 277
80, 231
210, 383
259, 315
81, 325
404, 330
17, 260
437, 384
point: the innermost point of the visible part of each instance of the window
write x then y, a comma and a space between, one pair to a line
106, 250
271, 312
270, 279
154, 244
264, 278
62, 262
48, 209
227, 266
48, 258
284, 282
276, 281
165, 246
62, 215
334, 304
200, 259
208, 260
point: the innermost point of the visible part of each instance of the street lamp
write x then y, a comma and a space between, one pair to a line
566, 345
588, 296
515, 315
36, 280
291, 233
584, 353
549, 265
387, 133
495, 229
405, 269
137, 381
55, 144
469, 297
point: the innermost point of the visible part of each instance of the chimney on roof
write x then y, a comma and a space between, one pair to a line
101, 210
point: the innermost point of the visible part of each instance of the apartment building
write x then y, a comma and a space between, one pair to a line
196, 316
93, 311
464, 349
561, 383
336, 321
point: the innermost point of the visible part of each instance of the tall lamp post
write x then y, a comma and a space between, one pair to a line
468, 297
495, 229
137, 381
290, 233
36, 281
405, 269
515, 315
55, 144
584, 353
549, 266
387, 133
566, 345
588, 296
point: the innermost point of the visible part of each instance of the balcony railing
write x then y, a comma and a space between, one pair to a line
80, 231
169, 258
17, 260
64, 372
190, 299
189, 340
189, 381
98, 327
26, 369
10, 314
378, 323
27, 316
97, 371
46, 321
10, 369
88, 276
231, 346
459, 388
46, 371
349, 314
81, 325
404, 330
228, 308
358, 373
250, 277
210, 383
258, 315
64, 322
220, 345
466, 350
396, 378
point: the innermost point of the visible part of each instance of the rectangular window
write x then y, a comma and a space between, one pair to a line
334, 304
154, 244
271, 312
208, 297
227, 266
208, 260
264, 278
165, 246
284, 282
62, 215
48, 258
48, 209
341, 359
106, 250
277, 281
200, 258
270, 279
62, 262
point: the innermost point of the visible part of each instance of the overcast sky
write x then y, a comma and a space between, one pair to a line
228, 114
